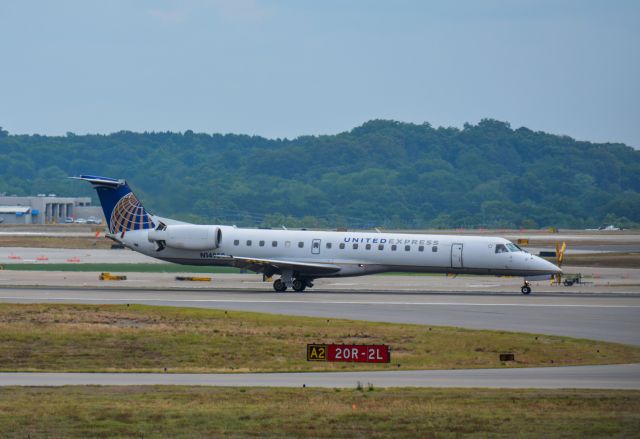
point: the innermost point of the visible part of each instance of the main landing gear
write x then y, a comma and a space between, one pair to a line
526, 288
298, 285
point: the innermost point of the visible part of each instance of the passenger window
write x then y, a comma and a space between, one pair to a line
316, 245
261, 243
434, 248
355, 246
274, 243
328, 245
394, 247
342, 246
248, 243
287, 243
236, 242
368, 246
300, 244
421, 248
380, 247
500, 248
407, 248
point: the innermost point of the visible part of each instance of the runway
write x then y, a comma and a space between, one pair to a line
625, 376
607, 317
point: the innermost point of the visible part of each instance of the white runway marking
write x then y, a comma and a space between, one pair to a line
315, 302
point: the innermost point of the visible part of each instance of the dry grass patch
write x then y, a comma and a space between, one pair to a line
54, 337
187, 412
615, 260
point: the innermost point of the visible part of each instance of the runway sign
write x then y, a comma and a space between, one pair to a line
316, 352
349, 353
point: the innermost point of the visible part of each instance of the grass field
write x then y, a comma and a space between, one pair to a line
81, 338
188, 412
615, 260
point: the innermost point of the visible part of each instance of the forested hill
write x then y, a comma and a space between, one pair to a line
383, 173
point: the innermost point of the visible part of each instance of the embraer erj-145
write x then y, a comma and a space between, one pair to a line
300, 256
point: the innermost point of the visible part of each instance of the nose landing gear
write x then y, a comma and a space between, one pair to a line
526, 288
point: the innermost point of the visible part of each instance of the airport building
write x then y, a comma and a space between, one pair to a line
45, 209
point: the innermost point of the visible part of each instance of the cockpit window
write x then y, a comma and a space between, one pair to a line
508, 247
513, 247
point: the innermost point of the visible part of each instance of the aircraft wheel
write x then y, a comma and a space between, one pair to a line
299, 285
526, 289
279, 286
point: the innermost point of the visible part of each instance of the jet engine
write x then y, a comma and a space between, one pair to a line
186, 236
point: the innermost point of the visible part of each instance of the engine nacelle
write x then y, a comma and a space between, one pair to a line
186, 236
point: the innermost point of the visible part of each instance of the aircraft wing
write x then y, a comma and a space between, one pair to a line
260, 265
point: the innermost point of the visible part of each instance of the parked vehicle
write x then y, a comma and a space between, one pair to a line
80, 221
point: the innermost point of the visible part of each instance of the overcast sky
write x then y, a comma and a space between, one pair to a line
287, 68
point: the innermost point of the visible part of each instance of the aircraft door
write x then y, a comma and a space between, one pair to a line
456, 255
315, 246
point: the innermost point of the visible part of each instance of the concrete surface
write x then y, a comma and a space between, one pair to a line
20, 255
576, 377
600, 280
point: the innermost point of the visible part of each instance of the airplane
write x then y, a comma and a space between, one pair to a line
301, 256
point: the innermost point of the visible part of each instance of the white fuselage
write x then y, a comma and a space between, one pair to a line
356, 253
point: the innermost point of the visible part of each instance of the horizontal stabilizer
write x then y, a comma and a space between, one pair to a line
100, 181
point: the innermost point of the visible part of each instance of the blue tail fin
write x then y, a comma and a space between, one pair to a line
121, 207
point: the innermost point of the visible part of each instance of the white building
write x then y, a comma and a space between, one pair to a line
15, 215
43, 209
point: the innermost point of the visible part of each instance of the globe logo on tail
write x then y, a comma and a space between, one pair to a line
128, 214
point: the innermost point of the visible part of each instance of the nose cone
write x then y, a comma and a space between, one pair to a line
545, 266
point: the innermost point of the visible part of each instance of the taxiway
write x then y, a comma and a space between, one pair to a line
626, 376
607, 317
